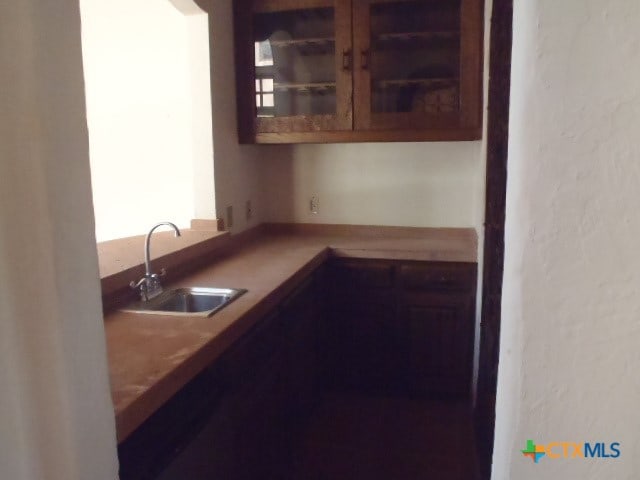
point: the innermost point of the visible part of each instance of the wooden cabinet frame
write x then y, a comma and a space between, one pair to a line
400, 327
354, 121
270, 130
470, 71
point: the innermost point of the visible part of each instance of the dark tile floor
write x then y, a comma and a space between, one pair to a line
352, 437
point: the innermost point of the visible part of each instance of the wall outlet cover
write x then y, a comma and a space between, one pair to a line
313, 204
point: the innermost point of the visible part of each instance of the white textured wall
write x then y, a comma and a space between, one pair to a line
56, 415
569, 353
408, 184
146, 70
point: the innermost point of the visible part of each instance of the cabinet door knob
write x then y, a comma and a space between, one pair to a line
346, 60
364, 61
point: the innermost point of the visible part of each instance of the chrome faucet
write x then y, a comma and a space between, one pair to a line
149, 285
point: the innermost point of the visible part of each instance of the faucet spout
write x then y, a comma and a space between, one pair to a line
150, 285
147, 245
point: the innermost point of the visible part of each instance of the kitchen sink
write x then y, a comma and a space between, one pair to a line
192, 301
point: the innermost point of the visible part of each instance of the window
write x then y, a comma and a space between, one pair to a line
264, 96
265, 100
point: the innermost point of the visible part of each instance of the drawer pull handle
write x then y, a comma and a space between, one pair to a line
364, 62
346, 60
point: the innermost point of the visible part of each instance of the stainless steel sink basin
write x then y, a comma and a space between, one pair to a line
193, 301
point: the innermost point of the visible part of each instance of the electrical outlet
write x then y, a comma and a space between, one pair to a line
313, 205
248, 210
229, 217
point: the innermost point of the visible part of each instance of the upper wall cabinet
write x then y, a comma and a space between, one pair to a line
321, 71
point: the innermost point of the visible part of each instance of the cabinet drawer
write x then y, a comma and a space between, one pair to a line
357, 274
438, 277
156, 442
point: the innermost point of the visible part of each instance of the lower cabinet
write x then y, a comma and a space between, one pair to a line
375, 326
302, 317
401, 327
439, 344
173, 439
210, 454
362, 335
253, 372
235, 421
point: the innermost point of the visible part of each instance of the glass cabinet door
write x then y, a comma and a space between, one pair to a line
301, 66
408, 57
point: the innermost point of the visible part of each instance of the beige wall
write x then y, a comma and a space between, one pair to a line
238, 168
56, 415
570, 312
408, 184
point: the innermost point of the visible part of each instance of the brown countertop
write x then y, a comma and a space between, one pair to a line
152, 356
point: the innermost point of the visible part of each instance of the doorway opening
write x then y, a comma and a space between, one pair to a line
148, 97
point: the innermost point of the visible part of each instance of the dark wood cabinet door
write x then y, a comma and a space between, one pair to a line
366, 354
260, 447
302, 360
294, 64
401, 327
439, 332
190, 436
363, 337
417, 65
322, 71
211, 454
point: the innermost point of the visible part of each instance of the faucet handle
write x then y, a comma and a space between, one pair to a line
162, 273
143, 286
133, 284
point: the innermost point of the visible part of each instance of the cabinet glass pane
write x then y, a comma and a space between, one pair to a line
415, 57
295, 63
